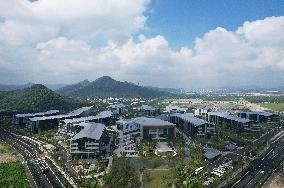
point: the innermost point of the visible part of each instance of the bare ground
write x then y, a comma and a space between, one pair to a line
6, 156
277, 182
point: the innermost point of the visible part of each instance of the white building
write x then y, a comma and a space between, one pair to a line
202, 111
175, 109
148, 128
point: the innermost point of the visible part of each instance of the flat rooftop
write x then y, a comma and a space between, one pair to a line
38, 113
68, 115
188, 117
145, 121
101, 115
228, 116
258, 113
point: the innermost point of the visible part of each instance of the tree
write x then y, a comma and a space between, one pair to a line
122, 174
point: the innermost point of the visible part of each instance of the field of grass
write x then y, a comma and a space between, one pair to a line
155, 178
7, 153
13, 175
6, 149
273, 106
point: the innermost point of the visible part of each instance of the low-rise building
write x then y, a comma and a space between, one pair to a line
147, 110
90, 142
202, 111
232, 122
175, 109
117, 108
20, 120
261, 117
192, 126
72, 126
44, 123
148, 128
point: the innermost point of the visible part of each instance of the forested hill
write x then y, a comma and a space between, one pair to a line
107, 87
36, 98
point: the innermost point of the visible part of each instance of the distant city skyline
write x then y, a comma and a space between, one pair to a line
184, 44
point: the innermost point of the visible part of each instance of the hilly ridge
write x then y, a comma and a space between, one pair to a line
108, 87
36, 98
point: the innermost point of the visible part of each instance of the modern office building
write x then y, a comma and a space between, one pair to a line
73, 126
90, 142
147, 110
232, 122
148, 128
44, 123
192, 126
175, 109
20, 120
261, 117
117, 108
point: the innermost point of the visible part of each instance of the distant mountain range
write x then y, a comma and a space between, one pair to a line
107, 87
36, 98
169, 90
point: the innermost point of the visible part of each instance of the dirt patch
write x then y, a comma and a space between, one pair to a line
8, 158
7, 153
277, 182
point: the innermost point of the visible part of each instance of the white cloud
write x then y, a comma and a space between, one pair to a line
51, 41
264, 32
83, 19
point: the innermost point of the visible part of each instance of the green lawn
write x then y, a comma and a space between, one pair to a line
154, 178
12, 175
6, 149
273, 106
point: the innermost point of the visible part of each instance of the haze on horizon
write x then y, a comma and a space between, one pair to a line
189, 44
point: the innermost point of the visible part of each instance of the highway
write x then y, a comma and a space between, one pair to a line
32, 154
262, 167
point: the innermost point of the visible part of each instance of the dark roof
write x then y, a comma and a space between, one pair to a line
101, 115
90, 130
259, 113
145, 121
38, 113
228, 116
70, 114
190, 118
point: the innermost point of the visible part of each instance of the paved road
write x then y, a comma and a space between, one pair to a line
31, 153
64, 158
262, 167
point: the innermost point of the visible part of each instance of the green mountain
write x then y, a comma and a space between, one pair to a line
71, 89
7, 87
11, 87
108, 87
36, 98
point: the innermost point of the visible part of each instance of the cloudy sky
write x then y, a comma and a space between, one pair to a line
189, 44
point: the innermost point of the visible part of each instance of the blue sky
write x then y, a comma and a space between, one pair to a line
183, 20
166, 43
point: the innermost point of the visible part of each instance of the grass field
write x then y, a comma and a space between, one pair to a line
6, 149
273, 106
7, 153
12, 175
154, 178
